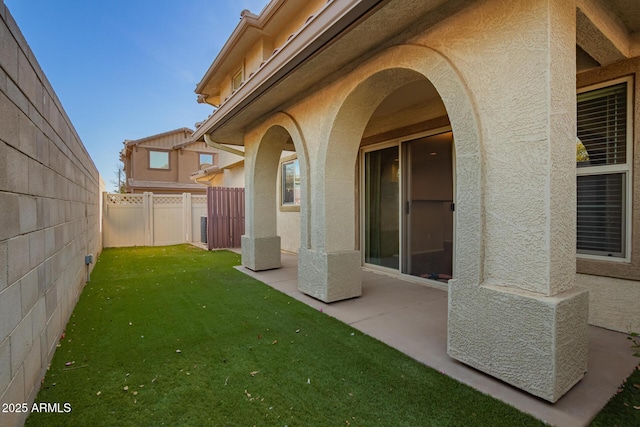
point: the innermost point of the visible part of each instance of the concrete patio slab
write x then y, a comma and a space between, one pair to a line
412, 318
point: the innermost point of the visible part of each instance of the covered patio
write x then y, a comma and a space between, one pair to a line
413, 319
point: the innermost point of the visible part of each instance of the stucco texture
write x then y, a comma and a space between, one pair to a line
505, 71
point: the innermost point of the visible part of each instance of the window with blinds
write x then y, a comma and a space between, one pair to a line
601, 214
603, 170
602, 125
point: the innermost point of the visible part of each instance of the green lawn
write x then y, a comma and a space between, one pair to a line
176, 336
624, 408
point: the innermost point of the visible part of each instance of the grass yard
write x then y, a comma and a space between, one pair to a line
624, 408
175, 336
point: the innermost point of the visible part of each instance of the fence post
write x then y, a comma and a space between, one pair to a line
104, 218
147, 209
210, 195
186, 217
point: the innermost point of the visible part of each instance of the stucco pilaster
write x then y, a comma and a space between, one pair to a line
260, 244
331, 276
526, 322
263, 147
521, 75
261, 253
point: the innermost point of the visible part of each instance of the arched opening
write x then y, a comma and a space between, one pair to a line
407, 185
277, 193
336, 240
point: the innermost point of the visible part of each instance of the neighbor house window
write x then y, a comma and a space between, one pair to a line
291, 183
205, 161
158, 159
603, 155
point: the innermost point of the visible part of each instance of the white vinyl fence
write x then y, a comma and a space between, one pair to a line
151, 219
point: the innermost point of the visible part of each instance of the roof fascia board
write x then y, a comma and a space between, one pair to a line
159, 135
327, 24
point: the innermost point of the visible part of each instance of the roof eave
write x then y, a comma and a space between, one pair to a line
131, 143
329, 22
247, 21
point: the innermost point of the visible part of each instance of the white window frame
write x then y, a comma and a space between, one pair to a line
201, 163
239, 77
282, 184
397, 142
168, 154
626, 169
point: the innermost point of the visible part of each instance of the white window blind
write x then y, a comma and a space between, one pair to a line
601, 214
602, 125
603, 170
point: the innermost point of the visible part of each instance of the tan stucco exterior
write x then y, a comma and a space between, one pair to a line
502, 76
227, 172
614, 287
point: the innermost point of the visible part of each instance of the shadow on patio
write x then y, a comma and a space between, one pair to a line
413, 319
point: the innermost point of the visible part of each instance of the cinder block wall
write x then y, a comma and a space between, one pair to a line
49, 219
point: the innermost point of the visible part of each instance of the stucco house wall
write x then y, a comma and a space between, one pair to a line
233, 177
505, 78
614, 287
294, 22
49, 219
228, 171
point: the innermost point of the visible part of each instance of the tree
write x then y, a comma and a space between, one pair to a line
582, 155
120, 183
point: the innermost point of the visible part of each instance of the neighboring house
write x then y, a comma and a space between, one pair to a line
437, 139
164, 163
227, 172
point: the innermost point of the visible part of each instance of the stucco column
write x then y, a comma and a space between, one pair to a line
260, 243
331, 269
526, 322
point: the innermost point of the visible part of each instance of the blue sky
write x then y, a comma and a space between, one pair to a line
127, 69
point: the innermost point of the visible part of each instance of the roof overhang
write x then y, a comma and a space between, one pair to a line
332, 21
184, 130
341, 35
608, 31
205, 176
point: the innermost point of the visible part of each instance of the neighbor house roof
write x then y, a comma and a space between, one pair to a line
184, 130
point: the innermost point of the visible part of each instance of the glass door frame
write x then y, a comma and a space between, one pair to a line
402, 188
363, 203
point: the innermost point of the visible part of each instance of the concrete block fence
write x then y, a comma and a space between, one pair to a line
49, 220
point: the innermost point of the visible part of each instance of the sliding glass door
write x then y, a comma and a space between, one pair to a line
382, 192
428, 214
408, 207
